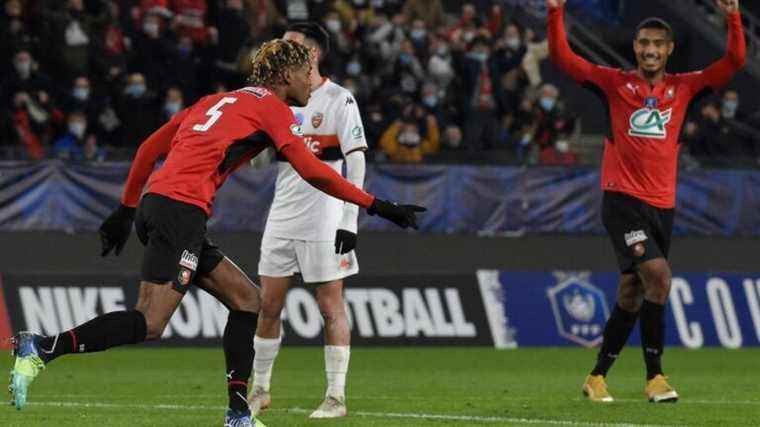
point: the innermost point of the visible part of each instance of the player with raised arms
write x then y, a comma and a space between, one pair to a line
646, 108
203, 145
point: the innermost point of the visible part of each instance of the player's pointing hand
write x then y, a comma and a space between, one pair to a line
728, 6
402, 215
554, 3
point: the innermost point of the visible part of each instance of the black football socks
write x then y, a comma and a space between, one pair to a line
238, 355
652, 336
101, 333
616, 333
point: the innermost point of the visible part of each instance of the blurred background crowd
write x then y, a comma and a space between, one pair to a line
436, 80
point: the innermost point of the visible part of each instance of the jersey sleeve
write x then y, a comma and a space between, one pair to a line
562, 55
157, 144
349, 124
719, 73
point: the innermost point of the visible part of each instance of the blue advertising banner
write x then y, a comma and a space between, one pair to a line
486, 200
570, 308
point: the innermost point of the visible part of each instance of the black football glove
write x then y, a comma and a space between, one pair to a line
115, 230
402, 215
345, 241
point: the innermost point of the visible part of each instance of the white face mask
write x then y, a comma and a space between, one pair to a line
513, 43
333, 25
150, 28
172, 108
24, 68
562, 146
77, 129
81, 93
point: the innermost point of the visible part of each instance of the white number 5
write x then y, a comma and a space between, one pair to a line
214, 114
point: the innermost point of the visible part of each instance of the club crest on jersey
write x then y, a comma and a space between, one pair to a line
296, 130
650, 123
316, 119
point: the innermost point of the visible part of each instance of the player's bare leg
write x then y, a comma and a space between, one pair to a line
656, 277
630, 296
155, 306
337, 349
241, 296
267, 340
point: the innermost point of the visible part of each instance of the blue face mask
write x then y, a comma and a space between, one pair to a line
136, 90
354, 68
81, 93
172, 108
478, 56
729, 108
405, 58
547, 103
430, 101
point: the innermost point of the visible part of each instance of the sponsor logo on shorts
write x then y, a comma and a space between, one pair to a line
345, 264
189, 260
183, 278
634, 237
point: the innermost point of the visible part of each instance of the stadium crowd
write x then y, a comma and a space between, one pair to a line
435, 79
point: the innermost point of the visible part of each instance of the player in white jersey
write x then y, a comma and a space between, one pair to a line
313, 234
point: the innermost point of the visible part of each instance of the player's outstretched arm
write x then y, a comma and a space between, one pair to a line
719, 73
325, 179
559, 49
115, 230
345, 236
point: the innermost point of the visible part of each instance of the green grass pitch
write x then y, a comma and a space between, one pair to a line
443, 386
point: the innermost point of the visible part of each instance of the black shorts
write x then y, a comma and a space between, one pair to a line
639, 231
176, 246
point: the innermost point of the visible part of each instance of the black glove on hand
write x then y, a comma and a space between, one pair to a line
345, 241
115, 230
402, 215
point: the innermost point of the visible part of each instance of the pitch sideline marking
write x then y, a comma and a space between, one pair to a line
681, 401
442, 417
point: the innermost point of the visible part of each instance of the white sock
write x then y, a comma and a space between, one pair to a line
336, 367
266, 351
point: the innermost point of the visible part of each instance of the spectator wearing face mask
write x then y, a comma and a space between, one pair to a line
729, 106
25, 77
153, 51
70, 146
138, 111
74, 32
714, 140
405, 142
173, 103
234, 33
14, 29
184, 67
480, 71
408, 73
439, 67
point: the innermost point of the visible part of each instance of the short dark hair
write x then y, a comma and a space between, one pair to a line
314, 31
657, 24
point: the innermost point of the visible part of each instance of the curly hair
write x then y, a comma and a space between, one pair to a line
274, 58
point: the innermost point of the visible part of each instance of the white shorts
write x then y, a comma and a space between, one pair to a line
316, 261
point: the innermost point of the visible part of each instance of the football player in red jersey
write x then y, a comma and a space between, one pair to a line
203, 145
646, 107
